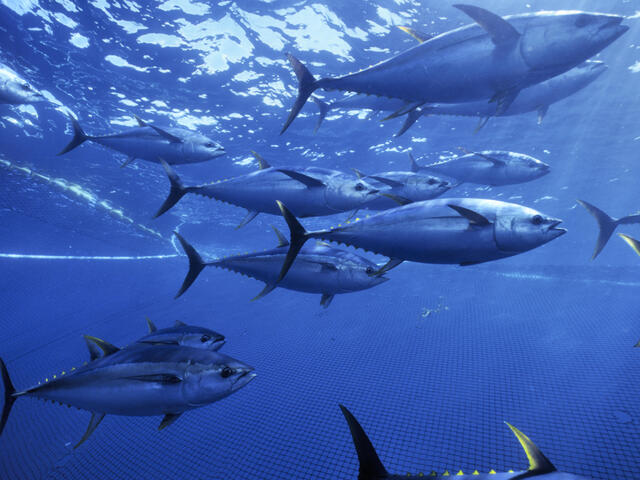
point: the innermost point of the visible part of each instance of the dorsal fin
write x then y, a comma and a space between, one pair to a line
163, 133
538, 463
310, 182
370, 464
141, 123
152, 328
502, 33
282, 241
414, 166
474, 217
106, 347
397, 198
418, 35
178, 323
261, 161
94, 351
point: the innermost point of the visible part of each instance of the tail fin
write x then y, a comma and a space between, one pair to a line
196, 264
79, 136
306, 86
412, 117
298, 236
177, 191
370, 465
324, 109
9, 399
606, 226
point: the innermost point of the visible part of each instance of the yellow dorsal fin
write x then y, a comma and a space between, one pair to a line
152, 328
537, 461
261, 161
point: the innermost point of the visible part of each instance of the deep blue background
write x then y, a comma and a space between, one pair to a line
542, 340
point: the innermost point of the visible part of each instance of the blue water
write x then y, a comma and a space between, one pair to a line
431, 363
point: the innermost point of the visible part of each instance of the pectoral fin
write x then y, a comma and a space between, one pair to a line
496, 162
96, 418
162, 378
261, 161
310, 182
152, 328
248, 217
392, 263
397, 198
388, 181
268, 288
106, 347
502, 33
165, 134
329, 267
474, 217
168, 419
326, 299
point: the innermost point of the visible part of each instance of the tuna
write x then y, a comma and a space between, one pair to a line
16, 91
606, 225
491, 59
139, 380
320, 269
149, 142
311, 191
490, 167
404, 187
536, 98
371, 468
179, 334
464, 231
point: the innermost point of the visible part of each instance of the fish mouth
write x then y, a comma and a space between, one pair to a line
244, 378
613, 28
554, 230
218, 344
379, 280
373, 192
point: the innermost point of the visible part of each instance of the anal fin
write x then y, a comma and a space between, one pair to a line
248, 217
268, 288
326, 299
503, 100
150, 325
168, 419
96, 418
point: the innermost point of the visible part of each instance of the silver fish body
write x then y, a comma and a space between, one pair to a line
142, 380
491, 167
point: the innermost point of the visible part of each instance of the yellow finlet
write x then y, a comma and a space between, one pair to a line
492, 472
446, 473
475, 472
460, 473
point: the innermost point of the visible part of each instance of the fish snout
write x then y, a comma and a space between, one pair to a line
553, 228
373, 191
378, 280
243, 377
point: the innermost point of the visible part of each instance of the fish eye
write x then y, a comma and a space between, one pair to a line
537, 219
583, 20
226, 372
369, 270
26, 87
210, 145
359, 187
431, 181
205, 338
